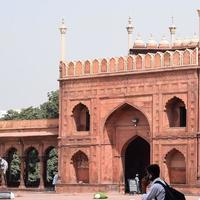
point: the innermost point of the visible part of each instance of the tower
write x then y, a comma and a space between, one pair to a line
172, 30
62, 29
130, 31
198, 11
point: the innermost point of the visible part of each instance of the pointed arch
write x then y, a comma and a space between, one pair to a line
167, 59
148, 60
194, 56
139, 61
81, 117
121, 65
32, 175
130, 63
121, 106
81, 165
13, 171
104, 65
177, 58
87, 67
71, 69
176, 112
112, 65
158, 59
79, 68
176, 165
95, 66
50, 165
187, 57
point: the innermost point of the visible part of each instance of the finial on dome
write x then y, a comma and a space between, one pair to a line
152, 43
164, 43
139, 43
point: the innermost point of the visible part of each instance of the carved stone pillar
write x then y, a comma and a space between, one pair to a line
22, 185
41, 166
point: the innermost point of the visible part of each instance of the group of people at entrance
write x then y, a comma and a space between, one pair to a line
153, 187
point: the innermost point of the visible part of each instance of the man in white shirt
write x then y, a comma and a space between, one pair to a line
156, 190
3, 169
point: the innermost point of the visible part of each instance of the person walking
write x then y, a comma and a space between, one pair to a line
156, 190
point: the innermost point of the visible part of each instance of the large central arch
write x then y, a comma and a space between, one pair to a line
126, 139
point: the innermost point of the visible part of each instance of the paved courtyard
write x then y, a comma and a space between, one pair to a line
75, 196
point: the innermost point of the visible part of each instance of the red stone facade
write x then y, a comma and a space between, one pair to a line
118, 115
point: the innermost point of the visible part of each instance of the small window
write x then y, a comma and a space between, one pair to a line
81, 117
176, 113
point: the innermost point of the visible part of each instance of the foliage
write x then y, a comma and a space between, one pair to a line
47, 110
32, 166
15, 166
52, 164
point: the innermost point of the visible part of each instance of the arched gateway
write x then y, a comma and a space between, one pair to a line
127, 130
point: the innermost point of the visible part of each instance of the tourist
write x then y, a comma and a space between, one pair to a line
137, 183
55, 179
3, 169
156, 190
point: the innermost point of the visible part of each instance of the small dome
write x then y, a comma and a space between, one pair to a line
152, 43
139, 42
164, 43
185, 42
177, 42
194, 41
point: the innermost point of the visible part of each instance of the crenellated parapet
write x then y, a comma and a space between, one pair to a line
138, 62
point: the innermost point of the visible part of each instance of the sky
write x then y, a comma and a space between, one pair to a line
30, 39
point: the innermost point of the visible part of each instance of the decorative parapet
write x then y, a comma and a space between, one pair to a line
139, 62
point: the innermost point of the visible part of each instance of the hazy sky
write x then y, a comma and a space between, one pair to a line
30, 40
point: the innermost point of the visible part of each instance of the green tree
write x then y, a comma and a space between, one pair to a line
15, 167
11, 115
52, 164
47, 110
50, 109
32, 167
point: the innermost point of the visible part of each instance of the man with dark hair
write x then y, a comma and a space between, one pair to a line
156, 190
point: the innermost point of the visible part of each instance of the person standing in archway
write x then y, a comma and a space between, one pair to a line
3, 169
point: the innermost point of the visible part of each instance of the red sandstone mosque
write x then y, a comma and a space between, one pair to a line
118, 115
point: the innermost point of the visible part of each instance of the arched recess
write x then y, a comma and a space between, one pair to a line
136, 155
32, 171
81, 117
50, 165
176, 112
13, 172
177, 58
176, 165
187, 57
158, 59
81, 167
167, 59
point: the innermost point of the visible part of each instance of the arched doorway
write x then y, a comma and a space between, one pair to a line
176, 164
137, 158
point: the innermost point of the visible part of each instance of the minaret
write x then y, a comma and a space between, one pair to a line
62, 29
198, 11
172, 30
130, 31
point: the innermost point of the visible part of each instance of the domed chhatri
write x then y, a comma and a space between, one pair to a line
152, 43
139, 43
164, 43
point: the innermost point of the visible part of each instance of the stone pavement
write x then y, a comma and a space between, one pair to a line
76, 196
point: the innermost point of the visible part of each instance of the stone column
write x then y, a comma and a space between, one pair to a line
41, 167
22, 185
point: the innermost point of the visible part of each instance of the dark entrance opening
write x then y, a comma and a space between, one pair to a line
137, 158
